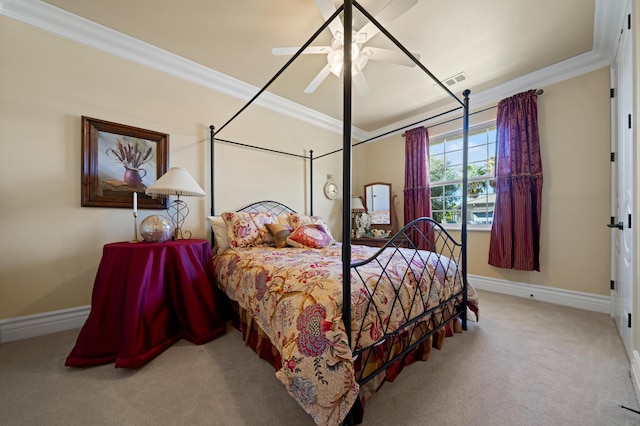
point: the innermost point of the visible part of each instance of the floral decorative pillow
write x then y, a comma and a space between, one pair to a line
298, 220
310, 236
283, 219
247, 229
280, 233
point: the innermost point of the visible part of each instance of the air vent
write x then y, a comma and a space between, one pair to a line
451, 81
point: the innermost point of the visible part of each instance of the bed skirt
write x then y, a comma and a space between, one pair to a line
257, 340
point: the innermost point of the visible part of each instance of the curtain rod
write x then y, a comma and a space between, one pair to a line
538, 93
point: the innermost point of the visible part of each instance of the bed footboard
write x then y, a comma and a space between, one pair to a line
429, 293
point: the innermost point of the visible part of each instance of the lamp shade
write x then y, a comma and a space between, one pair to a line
177, 181
356, 205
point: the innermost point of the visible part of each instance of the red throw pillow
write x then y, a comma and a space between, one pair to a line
310, 236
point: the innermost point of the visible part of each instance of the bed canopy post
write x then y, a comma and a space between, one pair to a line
443, 314
311, 181
465, 186
346, 167
212, 129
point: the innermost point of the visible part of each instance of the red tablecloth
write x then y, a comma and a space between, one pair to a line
146, 296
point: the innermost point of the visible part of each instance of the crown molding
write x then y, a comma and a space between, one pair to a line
64, 24
608, 22
556, 73
608, 19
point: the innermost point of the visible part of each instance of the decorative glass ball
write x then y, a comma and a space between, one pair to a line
155, 229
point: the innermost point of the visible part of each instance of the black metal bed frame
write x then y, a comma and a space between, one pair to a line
444, 249
405, 245
411, 234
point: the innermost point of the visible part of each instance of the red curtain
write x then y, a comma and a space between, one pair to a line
417, 193
515, 233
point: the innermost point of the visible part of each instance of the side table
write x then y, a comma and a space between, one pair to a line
146, 296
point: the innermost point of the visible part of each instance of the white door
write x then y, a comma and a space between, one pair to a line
623, 187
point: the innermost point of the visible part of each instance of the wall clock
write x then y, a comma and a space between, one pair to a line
330, 189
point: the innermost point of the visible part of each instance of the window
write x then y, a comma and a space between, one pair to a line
445, 162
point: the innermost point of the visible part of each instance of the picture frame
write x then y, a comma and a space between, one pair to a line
118, 160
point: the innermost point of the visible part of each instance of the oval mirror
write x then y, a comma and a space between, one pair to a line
378, 202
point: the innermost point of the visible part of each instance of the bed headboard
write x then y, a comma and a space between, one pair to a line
268, 206
219, 228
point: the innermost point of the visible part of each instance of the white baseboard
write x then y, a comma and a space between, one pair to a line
574, 299
40, 324
52, 322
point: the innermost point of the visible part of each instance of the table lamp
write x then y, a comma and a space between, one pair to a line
177, 181
357, 209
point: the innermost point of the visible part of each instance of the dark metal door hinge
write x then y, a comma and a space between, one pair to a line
629, 320
613, 157
613, 285
612, 92
613, 224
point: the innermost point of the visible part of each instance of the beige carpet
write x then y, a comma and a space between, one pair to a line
524, 363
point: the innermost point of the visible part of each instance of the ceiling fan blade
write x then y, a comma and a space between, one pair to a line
324, 72
311, 50
327, 9
390, 12
360, 82
392, 56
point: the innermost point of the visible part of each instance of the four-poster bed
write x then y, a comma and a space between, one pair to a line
338, 320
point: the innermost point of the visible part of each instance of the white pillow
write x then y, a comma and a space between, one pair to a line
220, 232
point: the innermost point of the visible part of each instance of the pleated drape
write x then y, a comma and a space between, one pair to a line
515, 233
417, 192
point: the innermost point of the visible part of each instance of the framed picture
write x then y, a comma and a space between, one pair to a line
118, 160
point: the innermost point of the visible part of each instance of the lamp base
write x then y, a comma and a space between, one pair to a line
179, 234
178, 211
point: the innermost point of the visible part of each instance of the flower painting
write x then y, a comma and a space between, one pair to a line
119, 160
131, 160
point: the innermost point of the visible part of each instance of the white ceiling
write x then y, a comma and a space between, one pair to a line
494, 42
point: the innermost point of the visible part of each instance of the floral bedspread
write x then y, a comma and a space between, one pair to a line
295, 295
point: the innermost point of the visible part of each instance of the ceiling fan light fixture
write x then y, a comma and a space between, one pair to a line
335, 59
360, 54
355, 51
336, 70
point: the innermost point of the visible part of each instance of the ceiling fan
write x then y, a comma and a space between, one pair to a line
360, 54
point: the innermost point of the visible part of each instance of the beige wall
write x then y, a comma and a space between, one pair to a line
51, 246
575, 143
